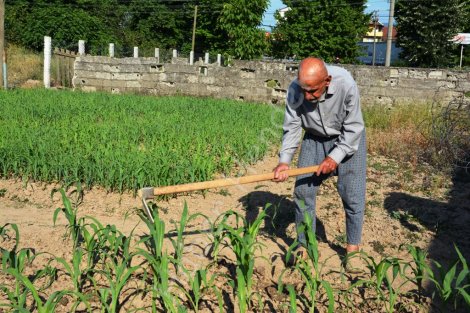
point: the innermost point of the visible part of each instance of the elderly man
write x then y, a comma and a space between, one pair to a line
324, 101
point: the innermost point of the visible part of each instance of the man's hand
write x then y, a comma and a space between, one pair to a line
278, 176
327, 166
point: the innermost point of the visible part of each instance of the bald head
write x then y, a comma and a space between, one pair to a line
312, 69
313, 78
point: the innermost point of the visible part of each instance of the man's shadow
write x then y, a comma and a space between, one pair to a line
279, 215
450, 220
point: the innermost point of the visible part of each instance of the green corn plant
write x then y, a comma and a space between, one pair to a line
292, 299
117, 271
200, 284
158, 261
450, 284
419, 268
95, 241
383, 276
74, 271
14, 263
310, 269
243, 242
178, 243
41, 304
4, 231
70, 214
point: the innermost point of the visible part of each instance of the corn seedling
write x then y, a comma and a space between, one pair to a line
309, 269
383, 275
200, 283
159, 261
178, 243
419, 268
243, 242
117, 271
14, 263
70, 214
451, 284
74, 271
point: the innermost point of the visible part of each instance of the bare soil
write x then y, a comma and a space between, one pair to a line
405, 205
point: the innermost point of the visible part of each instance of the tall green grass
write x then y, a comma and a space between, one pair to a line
126, 142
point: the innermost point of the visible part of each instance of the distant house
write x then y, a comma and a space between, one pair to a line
385, 33
375, 32
376, 39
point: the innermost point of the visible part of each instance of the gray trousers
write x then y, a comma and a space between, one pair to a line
351, 184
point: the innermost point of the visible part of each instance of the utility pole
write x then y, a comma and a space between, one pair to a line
390, 33
2, 41
375, 17
194, 27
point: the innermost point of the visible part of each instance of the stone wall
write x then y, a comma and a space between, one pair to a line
255, 81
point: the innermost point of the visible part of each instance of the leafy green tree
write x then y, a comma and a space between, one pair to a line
231, 28
158, 24
328, 29
425, 27
28, 21
240, 20
227, 27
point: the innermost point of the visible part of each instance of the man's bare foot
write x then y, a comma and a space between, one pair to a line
352, 248
352, 262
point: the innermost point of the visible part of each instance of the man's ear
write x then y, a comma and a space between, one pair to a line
328, 80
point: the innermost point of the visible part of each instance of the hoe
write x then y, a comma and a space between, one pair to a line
151, 192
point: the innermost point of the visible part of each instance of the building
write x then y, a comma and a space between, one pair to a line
375, 32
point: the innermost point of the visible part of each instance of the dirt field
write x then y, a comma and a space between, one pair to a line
404, 206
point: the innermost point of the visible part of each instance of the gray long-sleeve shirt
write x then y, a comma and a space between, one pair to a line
337, 113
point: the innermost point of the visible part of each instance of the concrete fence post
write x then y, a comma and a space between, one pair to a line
175, 53
47, 62
157, 54
136, 52
111, 50
191, 58
219, 59
81, 47
206, 58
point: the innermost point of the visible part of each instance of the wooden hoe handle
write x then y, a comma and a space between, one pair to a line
150, 192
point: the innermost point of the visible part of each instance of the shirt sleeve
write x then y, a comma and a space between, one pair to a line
291, 137
353, 125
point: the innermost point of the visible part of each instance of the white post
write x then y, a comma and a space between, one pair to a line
175, 53
111, 50
388, 52
157, 54
81, 47
47, 62
191, 58
136, 52
461, 56
219, 59
206, 58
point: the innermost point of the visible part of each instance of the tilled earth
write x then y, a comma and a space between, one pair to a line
405, 205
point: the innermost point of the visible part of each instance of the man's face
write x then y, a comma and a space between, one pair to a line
314, 88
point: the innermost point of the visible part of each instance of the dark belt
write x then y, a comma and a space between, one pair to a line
309, 135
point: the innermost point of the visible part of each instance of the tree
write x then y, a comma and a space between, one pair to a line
231, 28
328, 29
425, 27
227, 27
28, 21
158, 24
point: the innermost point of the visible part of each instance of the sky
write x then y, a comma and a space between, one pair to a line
381, 6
